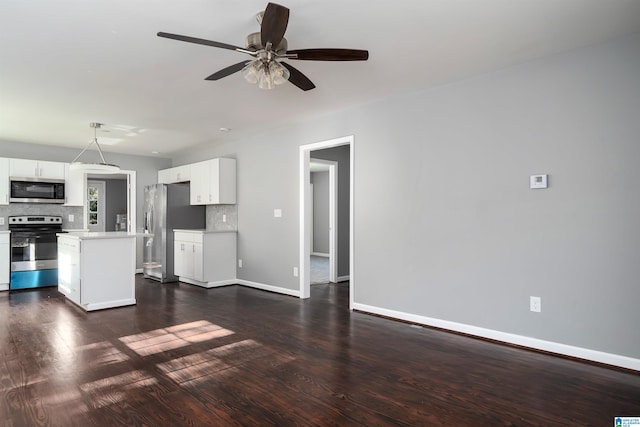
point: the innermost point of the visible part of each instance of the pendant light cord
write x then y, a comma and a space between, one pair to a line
95, 140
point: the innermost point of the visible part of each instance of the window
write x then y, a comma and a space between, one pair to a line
93, 198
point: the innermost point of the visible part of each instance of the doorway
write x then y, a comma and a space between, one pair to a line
119, 202
323, 222
305, 214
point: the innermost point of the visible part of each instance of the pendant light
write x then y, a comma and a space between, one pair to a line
102, 167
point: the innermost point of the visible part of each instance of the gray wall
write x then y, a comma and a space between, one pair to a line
342, 156
320, 181
445, 224
116, 196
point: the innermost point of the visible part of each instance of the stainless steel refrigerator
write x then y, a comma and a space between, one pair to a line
166, 207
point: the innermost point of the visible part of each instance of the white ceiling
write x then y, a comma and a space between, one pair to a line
66, 63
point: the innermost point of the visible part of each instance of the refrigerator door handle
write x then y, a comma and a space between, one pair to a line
148, 221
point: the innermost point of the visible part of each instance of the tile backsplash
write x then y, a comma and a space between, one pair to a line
43, 209
216, 214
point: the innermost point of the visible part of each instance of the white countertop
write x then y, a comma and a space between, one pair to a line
4, 232
200, 231
88, 235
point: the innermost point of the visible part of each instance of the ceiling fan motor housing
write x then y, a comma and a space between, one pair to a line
254, 41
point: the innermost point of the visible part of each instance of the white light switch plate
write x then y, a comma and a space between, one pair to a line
71, 217
277, 213
1, 220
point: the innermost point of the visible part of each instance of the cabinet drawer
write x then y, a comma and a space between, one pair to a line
181, 236
69, 245
198, 237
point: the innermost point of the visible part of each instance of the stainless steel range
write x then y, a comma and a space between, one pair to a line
34, 251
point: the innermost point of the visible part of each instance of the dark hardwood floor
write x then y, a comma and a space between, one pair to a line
186, 356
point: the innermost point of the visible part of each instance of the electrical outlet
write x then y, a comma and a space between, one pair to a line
277, 213
70, 217
224, 218
1, 220
240, 263
535, 304
295, 271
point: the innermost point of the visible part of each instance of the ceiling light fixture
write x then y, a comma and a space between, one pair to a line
265, 71
103, 167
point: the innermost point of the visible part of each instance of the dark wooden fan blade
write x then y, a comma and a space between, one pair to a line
274, 24
227, 71
201, 41
330, 54
297, 78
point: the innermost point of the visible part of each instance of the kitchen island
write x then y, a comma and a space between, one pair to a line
97, 270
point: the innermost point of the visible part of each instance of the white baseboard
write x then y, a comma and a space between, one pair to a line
322, 254
270, 288
343, 278
534, 343
209, 284
108, 304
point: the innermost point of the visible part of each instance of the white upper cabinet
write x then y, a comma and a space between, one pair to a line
75, 184
173, 175
4, 181
213, 182
25, 168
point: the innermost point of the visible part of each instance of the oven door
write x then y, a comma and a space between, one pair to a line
33, 250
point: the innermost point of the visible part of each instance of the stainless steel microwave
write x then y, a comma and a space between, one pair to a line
36, 190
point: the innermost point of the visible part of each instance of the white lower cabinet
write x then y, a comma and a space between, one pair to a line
4, 261
205, 258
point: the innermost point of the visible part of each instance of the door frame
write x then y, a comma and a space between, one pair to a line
305, 206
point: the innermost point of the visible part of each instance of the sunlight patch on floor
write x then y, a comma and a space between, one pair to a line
107, 391
199, 367
101, 354
160, 340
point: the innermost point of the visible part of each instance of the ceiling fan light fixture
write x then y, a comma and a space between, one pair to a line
251, 71
265, 80
279, 73
87, 167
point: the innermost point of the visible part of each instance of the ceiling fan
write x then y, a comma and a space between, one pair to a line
268, 48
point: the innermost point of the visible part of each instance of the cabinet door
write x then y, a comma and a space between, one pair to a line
23, 168
222, 184
4, 181
51, 170
178, 259
4, 259
164, 176
75, 185
198, 262
69, 259
173, 175
188, 260
200, 177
